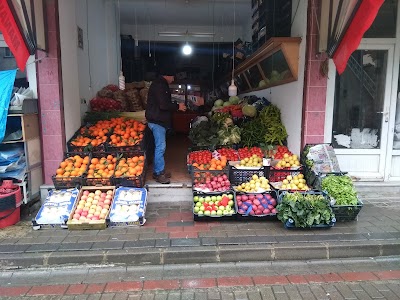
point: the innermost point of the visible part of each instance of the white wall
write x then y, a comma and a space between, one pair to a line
85, 71
144, 32
289, 97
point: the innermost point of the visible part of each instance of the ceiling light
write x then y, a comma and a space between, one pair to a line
187, 49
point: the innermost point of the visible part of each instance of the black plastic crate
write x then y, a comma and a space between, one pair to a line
86, 148
205, 218
71, 181
201, 177
138, 147
277, 175
131, 181
193, 149
346, 213
104, 181
262, 217
238, 175
289, 224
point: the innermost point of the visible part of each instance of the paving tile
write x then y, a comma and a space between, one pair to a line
261, 240
140, 244
187, 296
185, 242
254, 295
13, 248
235, 281
297, 279
123, 286
152, 236
110, 245
180, 224
76, 289
163, 243
270, 280
371, 291
48, 290
55, 240
74, 246
95, 288
387, 275
209, 241
379, 236
199, 283
213, 234
232, 241
124, 237
291, 238
200, 296
94, 238
358, 276
42, 248
183, 235
213, 295
31, 241
267, 293
292, 291
14, 291
161, 285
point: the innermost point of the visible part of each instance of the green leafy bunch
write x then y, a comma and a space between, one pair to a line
340, 188
305, 209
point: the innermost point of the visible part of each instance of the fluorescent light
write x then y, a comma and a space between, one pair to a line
187, 49
194, 34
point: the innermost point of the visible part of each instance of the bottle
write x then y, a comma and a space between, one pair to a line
121, 80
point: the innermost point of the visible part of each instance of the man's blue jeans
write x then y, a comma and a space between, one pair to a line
159, 133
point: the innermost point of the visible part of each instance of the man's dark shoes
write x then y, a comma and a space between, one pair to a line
166, 174
162, 178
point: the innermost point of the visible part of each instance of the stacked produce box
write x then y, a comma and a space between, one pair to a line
102, 182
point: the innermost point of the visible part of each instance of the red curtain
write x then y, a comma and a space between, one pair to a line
362, 20
12, 35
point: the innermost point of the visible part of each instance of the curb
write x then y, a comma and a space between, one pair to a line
209, 254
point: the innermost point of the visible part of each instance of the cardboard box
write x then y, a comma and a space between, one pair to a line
92, 224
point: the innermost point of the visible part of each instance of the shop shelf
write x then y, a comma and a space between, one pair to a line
277, 175
262, 217
205, 218
104, 181
131, 181
70, 182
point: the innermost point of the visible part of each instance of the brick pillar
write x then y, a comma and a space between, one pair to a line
51, 113
315, 83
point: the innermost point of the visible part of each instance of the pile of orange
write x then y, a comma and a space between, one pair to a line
215, 164
102, 167
129, 167
73, 166
127, 133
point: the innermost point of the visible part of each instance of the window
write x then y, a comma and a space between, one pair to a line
384, 25
7, 52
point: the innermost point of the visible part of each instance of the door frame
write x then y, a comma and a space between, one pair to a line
368, 44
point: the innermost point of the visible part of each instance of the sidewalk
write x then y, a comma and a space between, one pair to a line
170, 236
337, 279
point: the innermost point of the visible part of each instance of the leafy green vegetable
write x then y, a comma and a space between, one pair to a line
204, 134
340, 188
305, 209
229, 135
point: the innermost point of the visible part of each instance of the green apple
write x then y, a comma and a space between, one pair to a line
225, 212
219, 212
221, 207
219, 198
202, 208
213, 213
224, 195
207, 213
217, 203
230, 197
201, 199
198, 204
214, 198
200, 213
208, 199
232, 212
210, 203
230, 203
196, 198
196, 209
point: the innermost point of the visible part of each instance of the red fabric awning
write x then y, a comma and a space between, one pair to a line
12, 35
363, 19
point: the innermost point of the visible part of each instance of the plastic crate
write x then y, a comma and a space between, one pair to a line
277, 175
106, 181
346, 213
262, 217
137, 147
205, 218
289, 224
70, 182
193, 149
87, 148
238, 175
131, 181
201, 177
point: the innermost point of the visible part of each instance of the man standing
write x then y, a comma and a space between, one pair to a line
159, 117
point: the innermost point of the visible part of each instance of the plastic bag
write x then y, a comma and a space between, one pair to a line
7, 79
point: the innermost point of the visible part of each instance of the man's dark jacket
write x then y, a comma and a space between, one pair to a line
159, 104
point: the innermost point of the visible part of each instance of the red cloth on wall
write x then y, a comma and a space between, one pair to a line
12, 35
362, 20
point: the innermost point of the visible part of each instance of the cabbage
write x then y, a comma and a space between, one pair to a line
219, 102
249, 111
234, 100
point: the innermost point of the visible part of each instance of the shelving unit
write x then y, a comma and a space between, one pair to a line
30, 141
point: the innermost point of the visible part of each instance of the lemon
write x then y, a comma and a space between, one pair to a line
285, 181
283, 187
301, 185
242, 162
289, 177
301, 176
285, 155
295, 157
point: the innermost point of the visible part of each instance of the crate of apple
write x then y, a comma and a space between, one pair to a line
211, 182
214, 206
257, 205
93, 206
